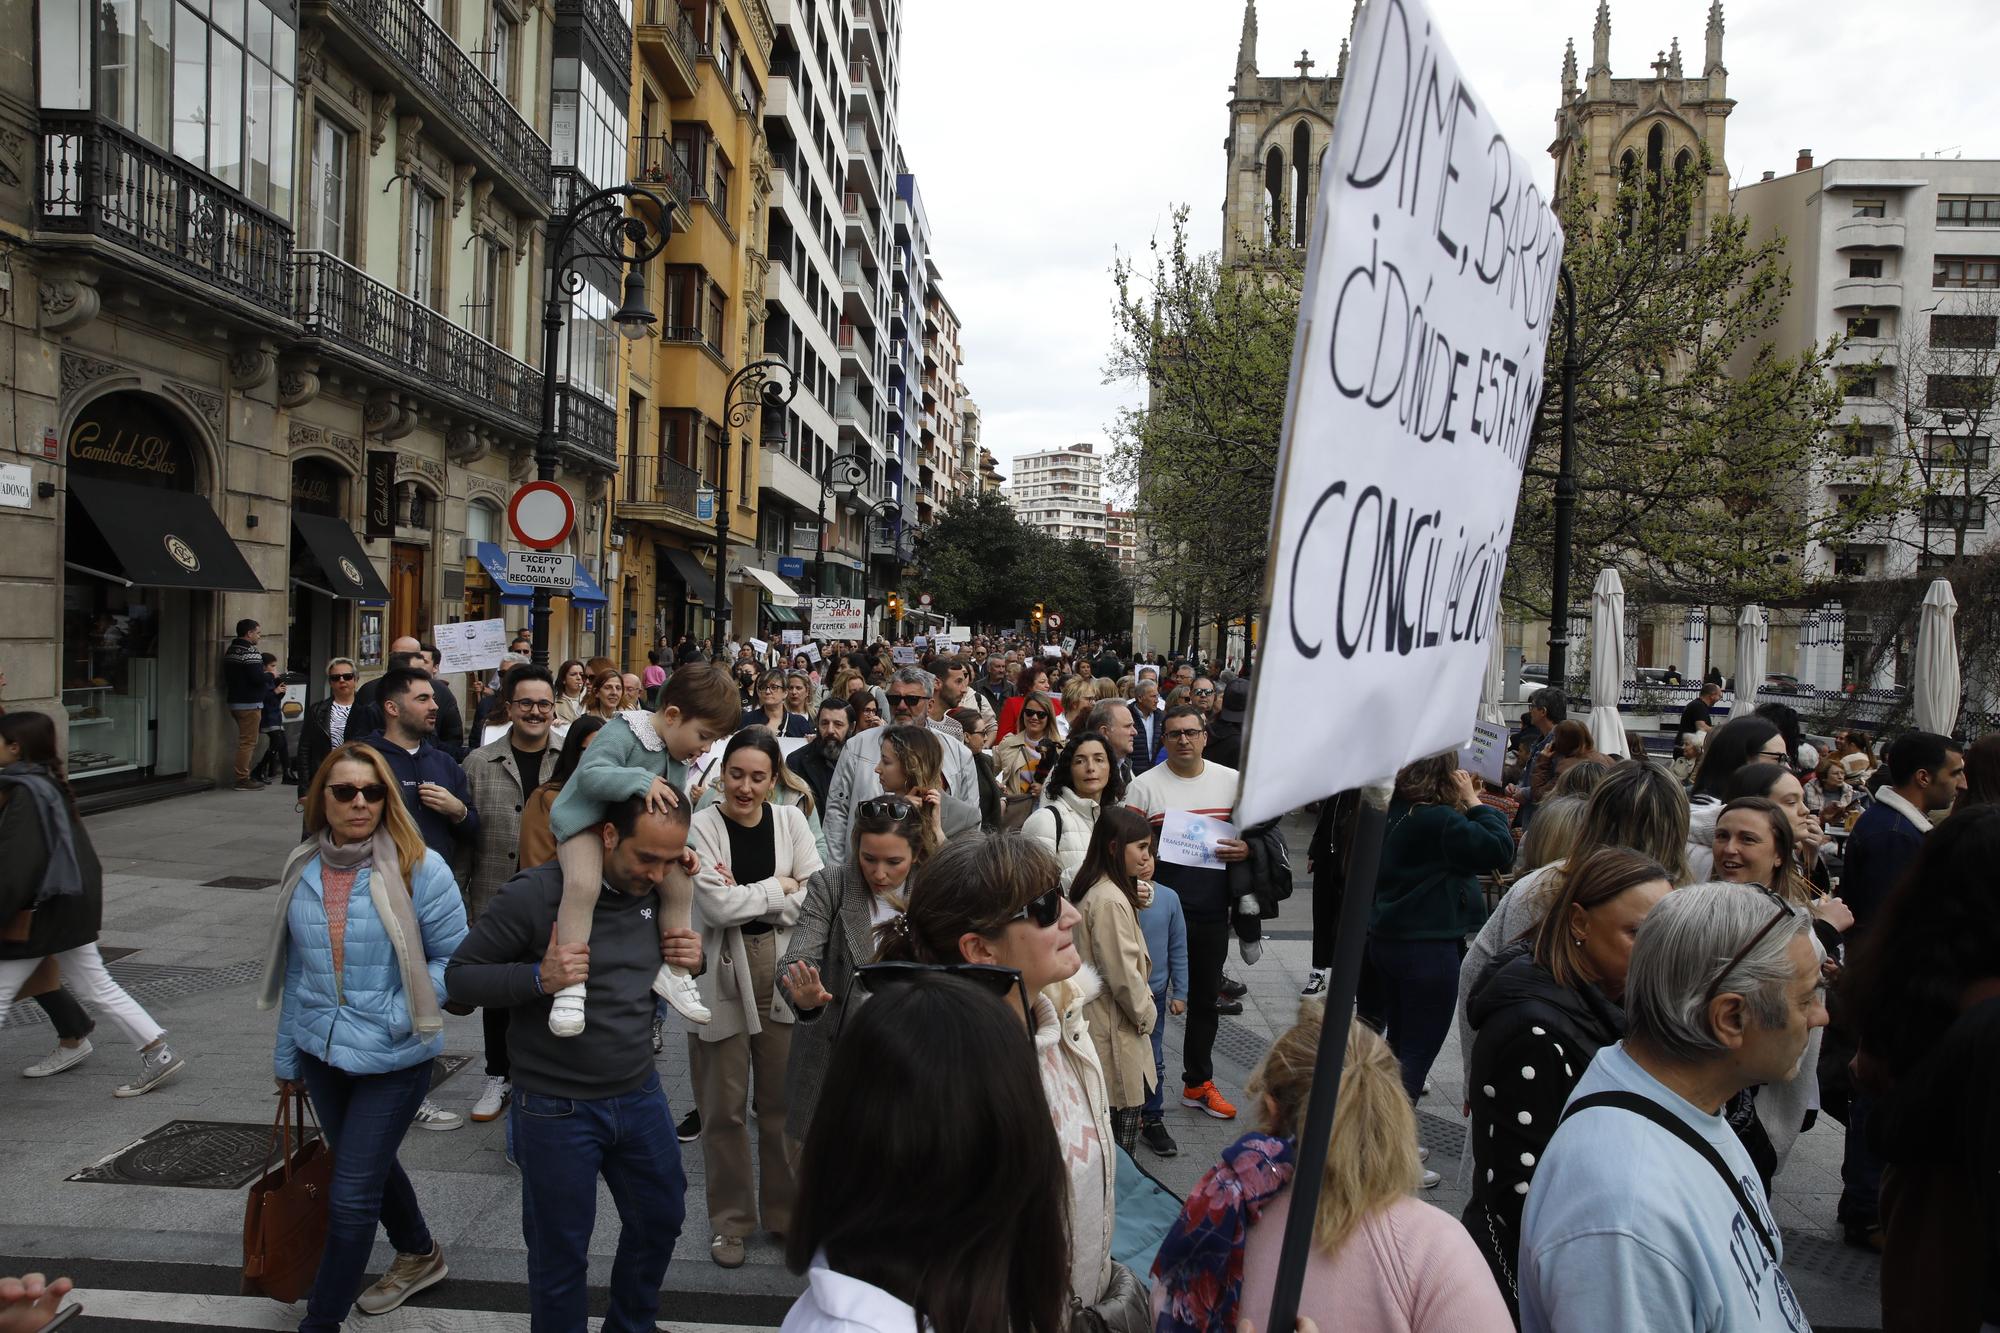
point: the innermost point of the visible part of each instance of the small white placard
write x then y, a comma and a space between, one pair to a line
1069, 645
17, 486
1051, 650
542, 569
811, 650
791, 638
1486, 752
472, 645
789, 745
903, 655
761, 648
1189, 839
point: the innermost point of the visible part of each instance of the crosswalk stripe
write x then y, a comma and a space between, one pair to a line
254, 1312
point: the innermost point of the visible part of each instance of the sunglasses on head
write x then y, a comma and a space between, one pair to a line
337, 676
345, 792
1044, 909
874, 978
1784, 913
888, 807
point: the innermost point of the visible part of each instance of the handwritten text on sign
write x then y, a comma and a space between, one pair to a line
1416, 374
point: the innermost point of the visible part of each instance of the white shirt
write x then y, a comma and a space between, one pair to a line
836, 1303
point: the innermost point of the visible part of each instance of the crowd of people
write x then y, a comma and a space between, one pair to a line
853, 876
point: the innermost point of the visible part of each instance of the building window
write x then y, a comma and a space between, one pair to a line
1961, 392
1968, 210
1851, 562
1857, 384
1862, 441
486, 310
1965, 271
589, 123
1955, 511
420, 245
1971, 331
1864, 326
719, 196
1864, 268
482, 522
587, 350
1869, 208
331, 188
1943, 449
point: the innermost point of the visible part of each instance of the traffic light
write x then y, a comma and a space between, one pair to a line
896, 605
1038, 617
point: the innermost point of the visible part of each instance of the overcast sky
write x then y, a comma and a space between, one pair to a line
1045, 148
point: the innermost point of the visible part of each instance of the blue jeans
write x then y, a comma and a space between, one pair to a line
562, 1145
1419, 994
1157, 1098
365, 1117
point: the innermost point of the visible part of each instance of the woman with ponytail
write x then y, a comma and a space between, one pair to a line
52, 894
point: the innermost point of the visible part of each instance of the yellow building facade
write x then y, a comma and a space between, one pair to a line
701, 69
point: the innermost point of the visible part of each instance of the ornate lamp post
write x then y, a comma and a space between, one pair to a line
595, 226
844, 472
768, 383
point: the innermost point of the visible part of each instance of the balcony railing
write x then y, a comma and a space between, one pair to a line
648, 479
604, 19
352, 312
660, 166
668, 28
96, 179
586, 426
436, 72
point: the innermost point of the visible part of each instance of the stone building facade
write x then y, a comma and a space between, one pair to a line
1278, 127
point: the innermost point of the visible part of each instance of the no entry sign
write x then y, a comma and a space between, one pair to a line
541, 515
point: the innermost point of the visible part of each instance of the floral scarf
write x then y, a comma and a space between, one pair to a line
1200, 1263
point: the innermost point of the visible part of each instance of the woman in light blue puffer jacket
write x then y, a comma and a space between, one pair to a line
367, 917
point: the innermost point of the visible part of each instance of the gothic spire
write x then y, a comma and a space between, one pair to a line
1569, 69
1340, 70
1600, 40
1246, 51
1714, 61
1674, 60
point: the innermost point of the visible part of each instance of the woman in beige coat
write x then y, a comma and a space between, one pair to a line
755, 857
1107, 890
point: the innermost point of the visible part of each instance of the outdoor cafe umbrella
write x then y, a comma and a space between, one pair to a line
1937, 693
1607, 662
1751, 648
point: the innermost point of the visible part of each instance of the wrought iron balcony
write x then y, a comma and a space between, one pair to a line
606, 23
666, 31
661, 167
401, 46
587, 427
96, 179
648, 482
391, 335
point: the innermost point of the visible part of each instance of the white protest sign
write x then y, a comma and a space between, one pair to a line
943, 647
1416, 376
1486, 753
919, 641
839, 617
1069, 645
761, 648
791, 638
1051, 650
789, 745
1189, 839
903, 655
811, 650
470, 645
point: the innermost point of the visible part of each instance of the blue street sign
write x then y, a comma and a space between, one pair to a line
791, 567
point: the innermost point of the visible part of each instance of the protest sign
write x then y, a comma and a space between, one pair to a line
1416, 378
470, 645
1189, 839
919, 641
1069, 645
839, 618
903, 655
1052, 650
761, 648
811, 650
791, 638
789, 745
1486, 753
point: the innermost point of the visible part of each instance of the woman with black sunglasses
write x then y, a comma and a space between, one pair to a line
1020, 753
844, 905
997, 901
326, 722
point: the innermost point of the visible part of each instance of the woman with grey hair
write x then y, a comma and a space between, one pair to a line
1652, 1185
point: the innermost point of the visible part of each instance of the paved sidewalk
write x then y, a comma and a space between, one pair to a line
197, 949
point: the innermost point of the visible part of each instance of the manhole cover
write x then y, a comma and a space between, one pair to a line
187, 1154
240, 882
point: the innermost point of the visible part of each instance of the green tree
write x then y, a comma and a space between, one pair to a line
965, 559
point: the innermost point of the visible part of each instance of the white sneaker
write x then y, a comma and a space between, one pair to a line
61, 1058
566, 1014
432, 1116
1431, 1179
1315, 982
157, 1068
678, 989
492, 1097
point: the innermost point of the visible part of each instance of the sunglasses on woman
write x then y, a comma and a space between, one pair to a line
1044, 910
345, 792
1034, 713
888, 807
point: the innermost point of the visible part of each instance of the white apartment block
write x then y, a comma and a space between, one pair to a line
1903, 256
1061, 492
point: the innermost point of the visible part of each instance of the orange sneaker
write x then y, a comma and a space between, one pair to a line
1207, 1100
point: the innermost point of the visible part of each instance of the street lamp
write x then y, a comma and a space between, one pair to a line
848, 472
1565, 502
595, 226
771, 384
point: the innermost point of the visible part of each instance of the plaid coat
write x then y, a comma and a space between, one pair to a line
495, 780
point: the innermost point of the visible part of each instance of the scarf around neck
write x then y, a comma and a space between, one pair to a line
393, 907
62, 877
1200, 1263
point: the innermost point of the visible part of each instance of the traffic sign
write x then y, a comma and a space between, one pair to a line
541, 515
1055, 621
923, 599
542, 569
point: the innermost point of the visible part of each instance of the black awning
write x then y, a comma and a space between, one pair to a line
161, 538
700, 582
340, 558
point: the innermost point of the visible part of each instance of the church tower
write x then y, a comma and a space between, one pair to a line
1608, 128
1278, 127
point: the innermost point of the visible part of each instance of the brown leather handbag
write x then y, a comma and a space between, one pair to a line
284, 1222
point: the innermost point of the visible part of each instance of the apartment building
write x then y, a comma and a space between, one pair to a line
1121, 538
271, 315
1061, 492
939, 414
690, 484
